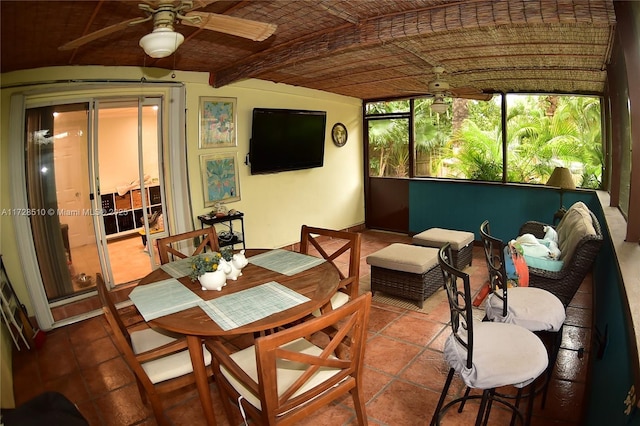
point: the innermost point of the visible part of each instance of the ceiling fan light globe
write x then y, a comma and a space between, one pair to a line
439, 106
161, 43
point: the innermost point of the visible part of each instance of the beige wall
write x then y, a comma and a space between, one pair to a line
275, 206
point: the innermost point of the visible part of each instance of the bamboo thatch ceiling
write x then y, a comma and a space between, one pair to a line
362, 48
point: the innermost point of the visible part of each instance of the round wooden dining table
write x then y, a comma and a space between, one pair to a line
318, 283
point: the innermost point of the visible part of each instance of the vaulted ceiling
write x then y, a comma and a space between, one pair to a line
363, 48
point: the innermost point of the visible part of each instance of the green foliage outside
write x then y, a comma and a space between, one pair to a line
466, 142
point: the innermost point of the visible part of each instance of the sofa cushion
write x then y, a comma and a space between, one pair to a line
560, 229
546, 264
575, 225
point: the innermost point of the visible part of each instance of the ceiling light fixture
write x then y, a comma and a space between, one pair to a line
438, 105
161, 43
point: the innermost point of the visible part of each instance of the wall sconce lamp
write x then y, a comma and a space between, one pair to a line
561, 178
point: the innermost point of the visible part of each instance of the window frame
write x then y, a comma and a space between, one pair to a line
504, 110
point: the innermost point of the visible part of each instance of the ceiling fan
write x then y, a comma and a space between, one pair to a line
163, 40
441, 89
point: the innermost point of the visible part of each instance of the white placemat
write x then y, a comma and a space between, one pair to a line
178, 268
246, 306
163, 298
285, 262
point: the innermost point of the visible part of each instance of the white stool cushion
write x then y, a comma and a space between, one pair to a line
287, 372
167, 367
532, 308
405, 258
437, 237
503, 354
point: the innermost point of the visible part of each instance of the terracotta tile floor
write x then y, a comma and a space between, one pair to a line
404, 368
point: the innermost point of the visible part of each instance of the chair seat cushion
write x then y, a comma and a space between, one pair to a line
405, 258
167, 367
503, 354
287, 371
150, 338
532, 308
337, 300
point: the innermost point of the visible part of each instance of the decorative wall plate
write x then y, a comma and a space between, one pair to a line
339, 134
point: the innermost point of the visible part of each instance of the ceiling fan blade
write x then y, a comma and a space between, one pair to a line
199, 4
479, 96
97, 34
470, 93
253, 30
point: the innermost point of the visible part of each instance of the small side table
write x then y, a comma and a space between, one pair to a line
226, 237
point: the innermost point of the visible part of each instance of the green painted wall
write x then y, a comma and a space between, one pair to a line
465, 205
612, 376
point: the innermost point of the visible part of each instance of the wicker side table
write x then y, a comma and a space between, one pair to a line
406, 271
461, 243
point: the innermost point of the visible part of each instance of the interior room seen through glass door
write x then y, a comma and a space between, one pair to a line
129, 176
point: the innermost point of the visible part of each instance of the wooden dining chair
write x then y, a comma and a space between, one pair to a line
342, 244
159, 360
175, 246
288, 375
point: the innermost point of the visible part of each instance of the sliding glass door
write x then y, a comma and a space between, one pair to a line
95, 193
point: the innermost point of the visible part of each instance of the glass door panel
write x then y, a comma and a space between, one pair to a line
152, 204
59, 196
130, 190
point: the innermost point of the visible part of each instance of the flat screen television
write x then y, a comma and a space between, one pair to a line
286, 139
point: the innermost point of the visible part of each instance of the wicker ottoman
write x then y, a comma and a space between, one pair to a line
461, 243
406, 271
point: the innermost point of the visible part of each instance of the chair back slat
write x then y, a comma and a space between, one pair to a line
174, 247
344, 351
494, 256
458, 290
342, 242
109, 307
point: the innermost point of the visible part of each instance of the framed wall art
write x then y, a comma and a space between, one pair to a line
220, 181
217, 122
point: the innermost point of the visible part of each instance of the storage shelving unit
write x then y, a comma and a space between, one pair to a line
227, 237
11, 310
122, 213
